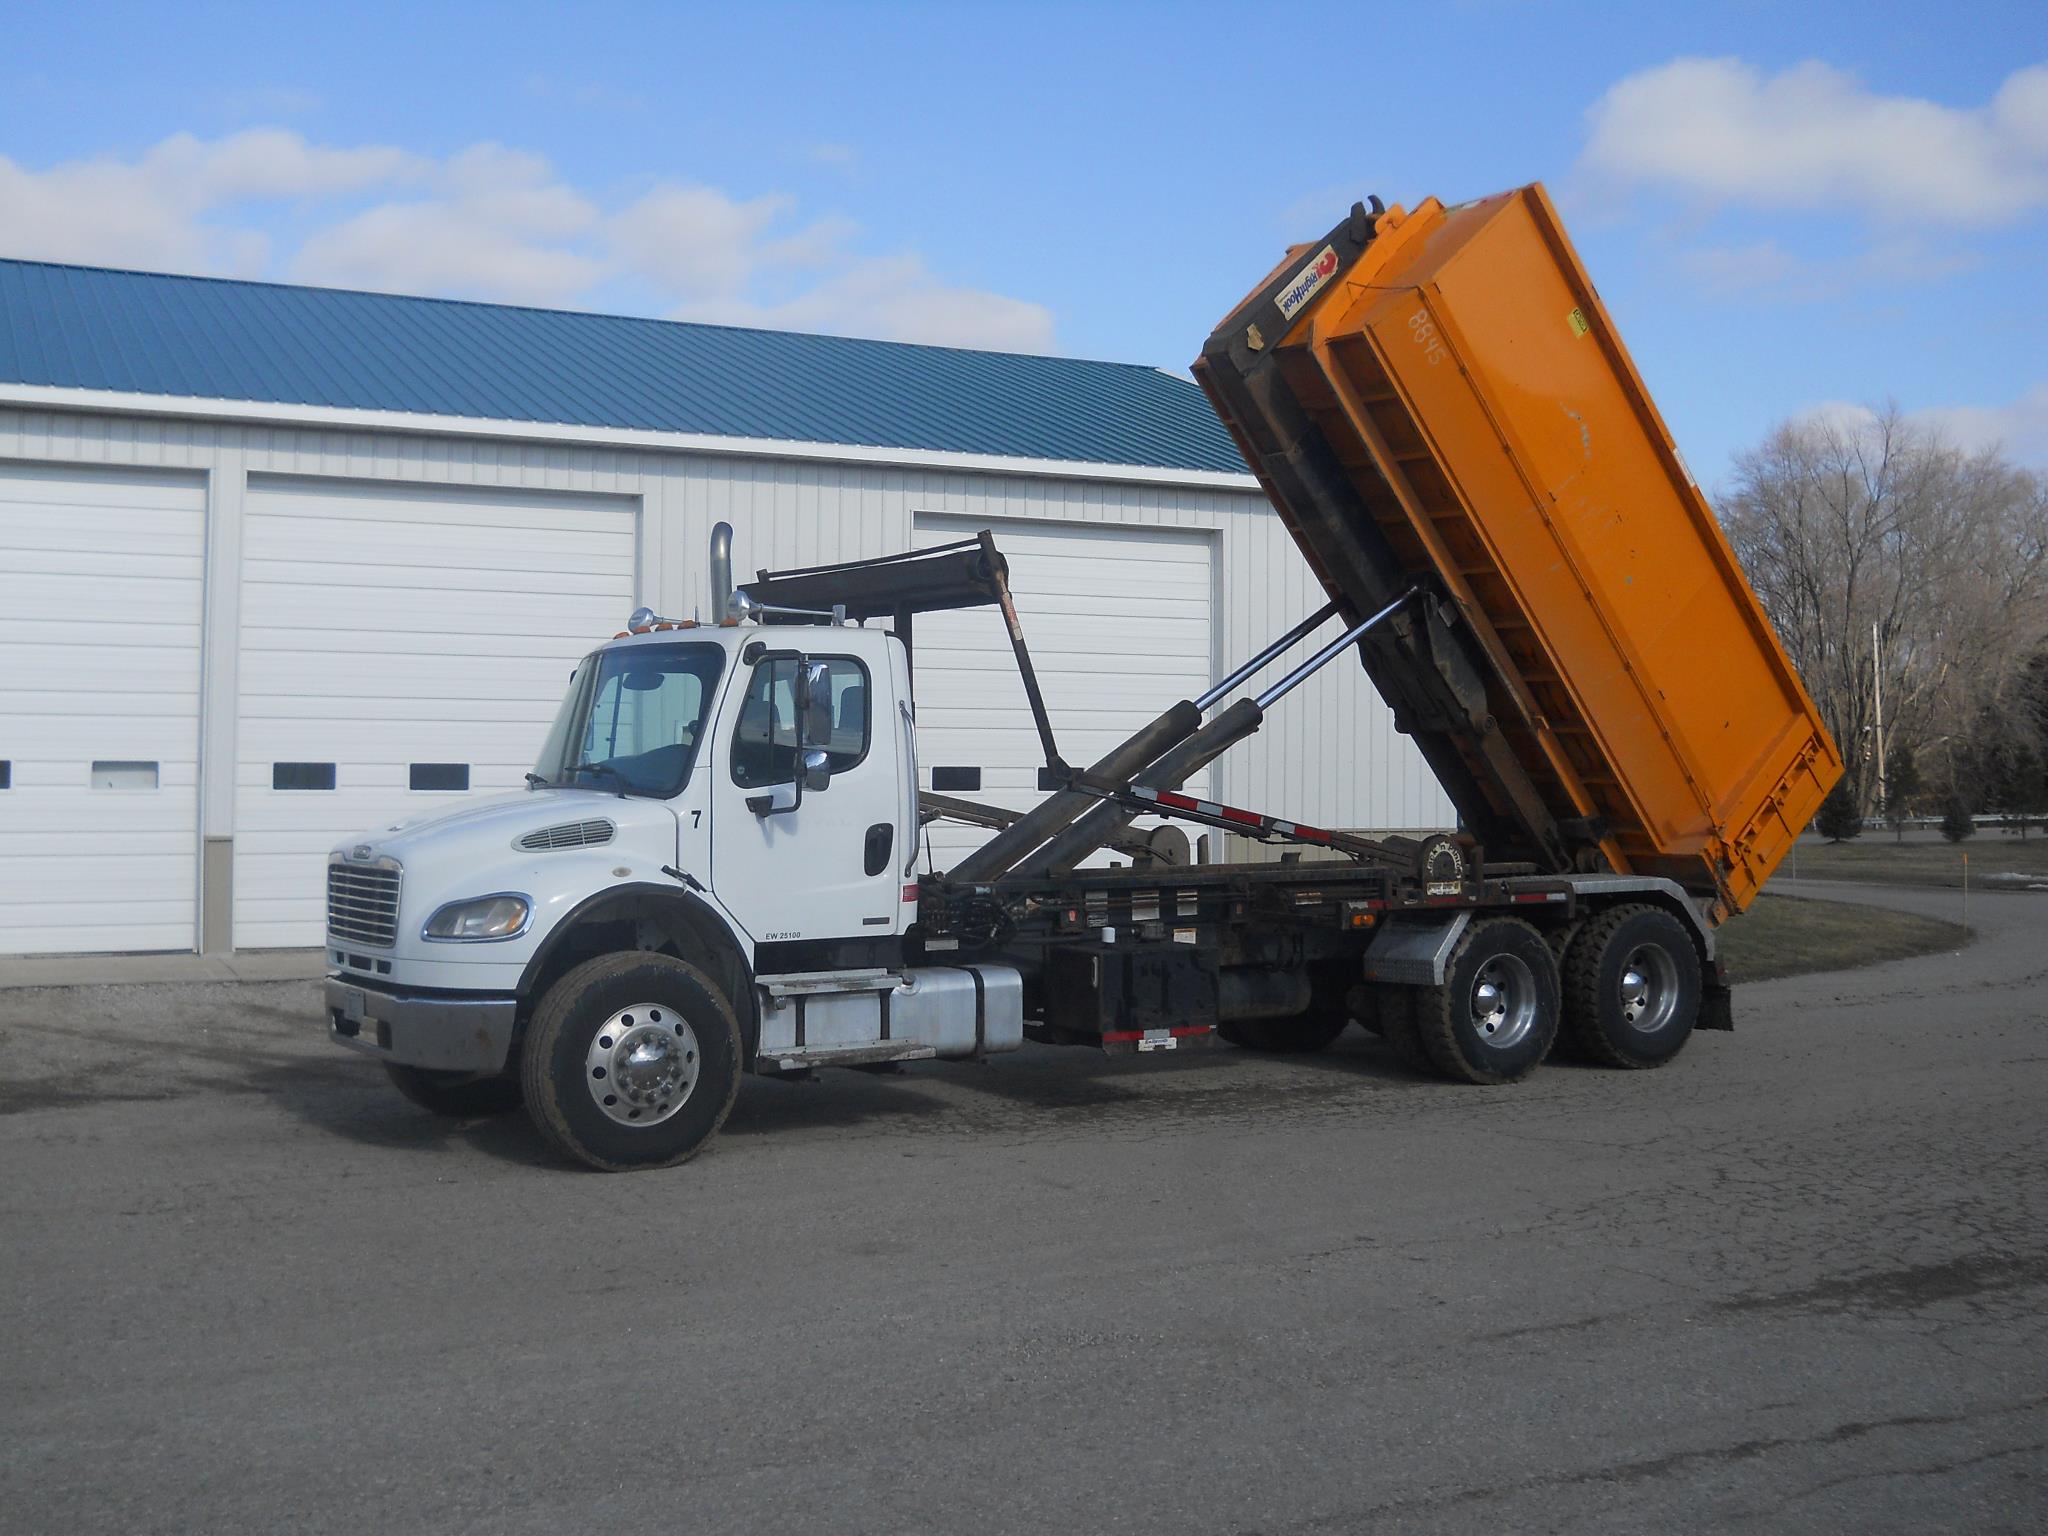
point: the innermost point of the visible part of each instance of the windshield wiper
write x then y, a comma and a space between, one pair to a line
535, 781
623, 782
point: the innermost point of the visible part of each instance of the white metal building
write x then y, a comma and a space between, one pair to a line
277, 564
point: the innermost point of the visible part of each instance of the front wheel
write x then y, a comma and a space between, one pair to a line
632, 1061
1631, 987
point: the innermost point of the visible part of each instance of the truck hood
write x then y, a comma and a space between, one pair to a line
488, 830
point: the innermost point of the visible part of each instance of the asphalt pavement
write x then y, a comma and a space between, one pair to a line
1797, 1281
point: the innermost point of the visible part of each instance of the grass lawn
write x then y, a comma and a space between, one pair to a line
1875, 859
1791, 936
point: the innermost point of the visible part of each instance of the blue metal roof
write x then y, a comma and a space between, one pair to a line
212, 338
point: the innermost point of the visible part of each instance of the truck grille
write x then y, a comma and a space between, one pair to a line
362, 904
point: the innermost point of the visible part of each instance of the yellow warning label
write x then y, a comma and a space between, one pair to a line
1577, 321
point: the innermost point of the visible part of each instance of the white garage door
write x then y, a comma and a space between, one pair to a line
394, 637
100, 581
1118, 621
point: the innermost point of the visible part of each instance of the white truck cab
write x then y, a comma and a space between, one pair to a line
712, 870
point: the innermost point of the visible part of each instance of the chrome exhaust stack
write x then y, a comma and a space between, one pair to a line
721, 571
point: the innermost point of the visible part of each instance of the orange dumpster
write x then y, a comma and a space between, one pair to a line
1438, 396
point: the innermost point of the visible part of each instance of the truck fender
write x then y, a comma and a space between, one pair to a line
694, 922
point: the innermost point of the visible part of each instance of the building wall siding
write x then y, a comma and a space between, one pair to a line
1329, 756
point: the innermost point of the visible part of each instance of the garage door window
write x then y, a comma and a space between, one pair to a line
438, 776
302, 775
764, 743
124, 775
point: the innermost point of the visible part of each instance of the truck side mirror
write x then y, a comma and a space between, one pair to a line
816, 769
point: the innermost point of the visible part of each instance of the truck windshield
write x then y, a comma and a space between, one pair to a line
632, 719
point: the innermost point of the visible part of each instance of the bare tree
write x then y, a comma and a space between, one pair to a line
1845, 525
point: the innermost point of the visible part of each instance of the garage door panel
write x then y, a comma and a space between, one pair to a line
95, 601
384, 626
111, 561
147, 879
31, 640
407, 545
127, 567
444, 578
106, 497
140, 533
374, 524
287, 641
31, 844
53, 928
376, 676
1119, 625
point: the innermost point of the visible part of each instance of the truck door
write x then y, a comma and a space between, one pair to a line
801, 862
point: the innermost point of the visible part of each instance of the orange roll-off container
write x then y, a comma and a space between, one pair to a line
1436, 397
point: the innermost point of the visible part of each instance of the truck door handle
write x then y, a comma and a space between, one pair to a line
881, 838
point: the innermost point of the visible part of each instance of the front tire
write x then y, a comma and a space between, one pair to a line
1631, 988
458, 1095
632, 1061
1496, 1016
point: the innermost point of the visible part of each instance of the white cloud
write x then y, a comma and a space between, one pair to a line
1812, 136
182, 204
497, 224
896, 297
1766, 270
699, 243
489, 222
2019, 427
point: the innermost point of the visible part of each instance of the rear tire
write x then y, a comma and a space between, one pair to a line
458, 1095
1285, 1037
1631, 988
1397, 1014
1496, 1016
632, 1061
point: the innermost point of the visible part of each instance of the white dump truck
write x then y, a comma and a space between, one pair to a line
714, 868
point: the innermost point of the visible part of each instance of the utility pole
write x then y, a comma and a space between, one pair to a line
1877, 686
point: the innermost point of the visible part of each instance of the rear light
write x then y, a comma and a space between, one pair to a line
910, 892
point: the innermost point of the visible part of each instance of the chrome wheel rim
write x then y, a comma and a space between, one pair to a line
642, 1065
1503, 1001
1649, 988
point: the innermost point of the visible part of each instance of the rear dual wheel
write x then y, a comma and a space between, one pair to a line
1496, 1016
1631, 987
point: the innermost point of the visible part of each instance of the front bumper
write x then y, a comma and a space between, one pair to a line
441, 1032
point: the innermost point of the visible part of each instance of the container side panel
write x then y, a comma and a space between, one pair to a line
1492, 426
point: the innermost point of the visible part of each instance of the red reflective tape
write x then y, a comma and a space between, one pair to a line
1243, 818
1537, 896
1179, 1032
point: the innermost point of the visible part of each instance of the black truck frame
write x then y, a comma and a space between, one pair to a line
1469, 970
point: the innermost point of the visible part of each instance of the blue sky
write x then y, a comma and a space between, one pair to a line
1787, 207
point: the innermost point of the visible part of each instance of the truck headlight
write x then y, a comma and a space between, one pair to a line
480, 919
